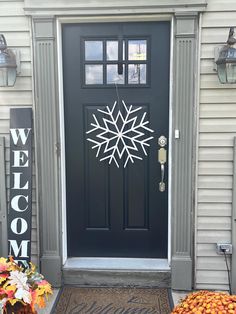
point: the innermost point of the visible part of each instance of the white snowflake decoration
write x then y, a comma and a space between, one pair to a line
117, 140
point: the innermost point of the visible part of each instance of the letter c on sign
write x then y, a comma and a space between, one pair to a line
15, 203
23, 225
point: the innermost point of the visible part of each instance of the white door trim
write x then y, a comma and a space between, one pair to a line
100, 19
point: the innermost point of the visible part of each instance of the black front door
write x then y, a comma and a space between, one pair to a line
116, 99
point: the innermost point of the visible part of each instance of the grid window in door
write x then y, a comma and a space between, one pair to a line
105, 65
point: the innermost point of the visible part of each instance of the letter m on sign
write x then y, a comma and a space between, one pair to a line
20, 205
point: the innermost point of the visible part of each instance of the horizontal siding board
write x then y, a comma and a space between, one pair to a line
213, 277
17, 98
206, 250
215, 168
217, 35
12, 9
4, 117
207, 67
211, 195
207, 51
211, 81
218, 96
219, 19
213, 263
221, 6
216, 142
218, 110
210, 286
17, 39
215, 182
218, 125
214, 209
215, 154
4, 126
26, 69
22, 84
214, 223
7, 24
25, 54
211, 236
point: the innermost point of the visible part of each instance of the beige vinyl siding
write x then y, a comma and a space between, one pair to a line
16, 28
217, 127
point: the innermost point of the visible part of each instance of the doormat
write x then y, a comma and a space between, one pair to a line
105, 300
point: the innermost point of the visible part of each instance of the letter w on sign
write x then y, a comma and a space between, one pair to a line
20, 205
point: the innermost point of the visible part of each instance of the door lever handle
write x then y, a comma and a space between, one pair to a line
162, 141
162, 161
162, 185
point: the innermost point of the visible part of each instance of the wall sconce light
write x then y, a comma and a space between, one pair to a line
8, 66
226, 60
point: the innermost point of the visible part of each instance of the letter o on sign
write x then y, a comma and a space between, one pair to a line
19, 226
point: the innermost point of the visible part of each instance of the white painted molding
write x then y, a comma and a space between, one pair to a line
95, 7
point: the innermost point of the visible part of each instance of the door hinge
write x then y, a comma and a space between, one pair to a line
58, 149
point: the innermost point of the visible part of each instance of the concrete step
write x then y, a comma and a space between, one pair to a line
117, 272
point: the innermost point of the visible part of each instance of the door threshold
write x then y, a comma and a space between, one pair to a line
94, 271
111, 263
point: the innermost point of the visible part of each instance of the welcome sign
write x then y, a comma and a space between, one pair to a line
20, 206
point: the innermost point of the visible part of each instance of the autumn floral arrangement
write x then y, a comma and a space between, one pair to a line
202, 302
21, 288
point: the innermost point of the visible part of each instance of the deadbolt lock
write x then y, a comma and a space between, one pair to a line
162, 141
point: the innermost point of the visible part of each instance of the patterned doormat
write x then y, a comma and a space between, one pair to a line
104, 300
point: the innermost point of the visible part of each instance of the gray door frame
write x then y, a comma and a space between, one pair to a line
48, 123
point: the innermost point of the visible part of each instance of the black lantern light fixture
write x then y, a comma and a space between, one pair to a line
8, 65
226, 61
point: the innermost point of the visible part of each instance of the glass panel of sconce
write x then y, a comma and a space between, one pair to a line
231, 72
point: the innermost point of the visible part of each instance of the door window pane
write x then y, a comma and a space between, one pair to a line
93, 74
112, 50
93, 50
112, 75
137, 74
137, 49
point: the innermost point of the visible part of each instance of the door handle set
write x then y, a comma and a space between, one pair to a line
162, 157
